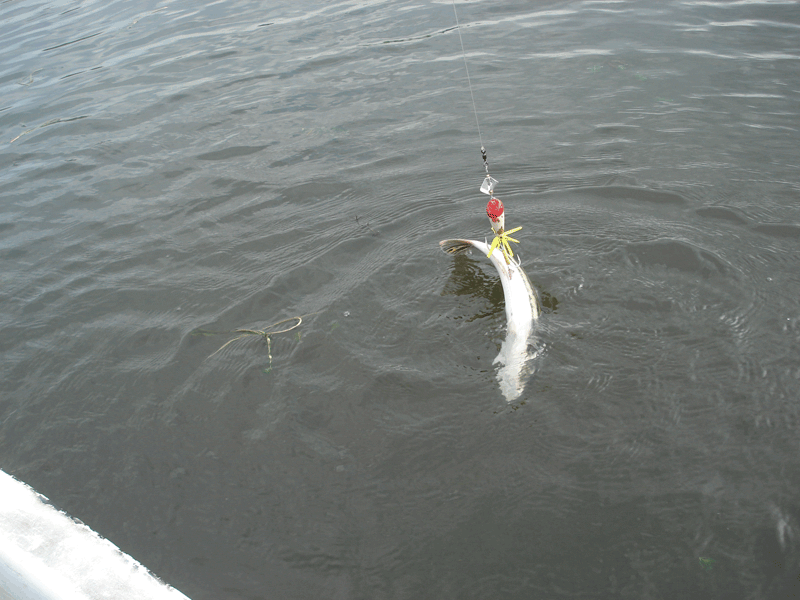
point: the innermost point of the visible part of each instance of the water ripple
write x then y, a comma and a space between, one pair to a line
173, 172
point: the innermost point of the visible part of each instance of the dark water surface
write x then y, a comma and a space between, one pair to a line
169, 169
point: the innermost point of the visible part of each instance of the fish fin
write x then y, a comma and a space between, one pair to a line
455, 246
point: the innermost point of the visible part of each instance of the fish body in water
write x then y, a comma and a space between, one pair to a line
522, 310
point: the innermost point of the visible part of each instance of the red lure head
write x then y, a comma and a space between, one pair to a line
494, 209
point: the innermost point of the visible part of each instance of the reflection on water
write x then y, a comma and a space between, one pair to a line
169, 168
468, 278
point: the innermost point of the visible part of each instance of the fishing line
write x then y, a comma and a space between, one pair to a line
494, 209
489, 182
469, 83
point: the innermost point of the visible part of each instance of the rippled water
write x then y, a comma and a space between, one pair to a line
172, 172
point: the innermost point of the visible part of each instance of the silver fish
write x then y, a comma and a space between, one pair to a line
522, 310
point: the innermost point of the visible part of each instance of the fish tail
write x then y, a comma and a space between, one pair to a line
455, 246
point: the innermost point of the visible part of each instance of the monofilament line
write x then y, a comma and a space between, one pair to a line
466, 67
